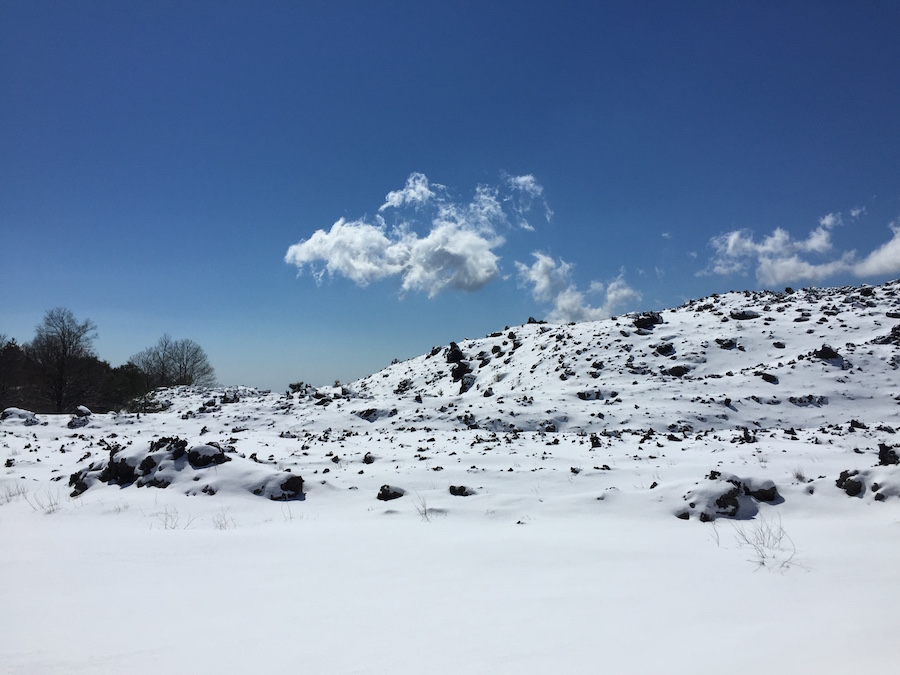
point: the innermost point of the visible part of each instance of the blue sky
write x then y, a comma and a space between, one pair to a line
158, 161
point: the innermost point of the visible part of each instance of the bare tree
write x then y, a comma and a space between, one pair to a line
171, 362
62, 346
155, 361
11, 359
191, 365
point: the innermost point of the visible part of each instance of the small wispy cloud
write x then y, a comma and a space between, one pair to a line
779, 258
456, 252
551, 283
524, 192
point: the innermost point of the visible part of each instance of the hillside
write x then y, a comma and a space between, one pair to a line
777, 412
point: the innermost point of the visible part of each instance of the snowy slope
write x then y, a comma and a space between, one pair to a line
492, 464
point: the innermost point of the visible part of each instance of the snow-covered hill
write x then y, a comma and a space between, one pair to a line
776, 411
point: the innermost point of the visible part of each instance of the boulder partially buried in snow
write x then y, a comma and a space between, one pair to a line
25, 417
207, 455
646, 320
727, 495
168, 462
282, 487
389, 492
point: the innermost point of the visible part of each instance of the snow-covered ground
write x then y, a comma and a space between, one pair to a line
711, 488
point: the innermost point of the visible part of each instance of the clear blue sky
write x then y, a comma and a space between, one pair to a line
159, 160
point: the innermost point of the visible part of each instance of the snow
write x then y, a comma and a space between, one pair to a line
580, 453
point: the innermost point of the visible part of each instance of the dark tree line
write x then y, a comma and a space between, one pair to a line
59, 368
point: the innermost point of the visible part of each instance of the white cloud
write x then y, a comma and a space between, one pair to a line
457, 251
547, 277
526, 184
551, 284
416, 191
778, 258
525, 190
830, 220
776, 271
858, 211
883, 260
452, 255
357, 250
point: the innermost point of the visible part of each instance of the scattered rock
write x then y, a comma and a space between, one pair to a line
887, 455
207, 455
665, 349
26, 417
387, 493
79, 422
826, 353
647, 320
454, 354
291, 488
849, 483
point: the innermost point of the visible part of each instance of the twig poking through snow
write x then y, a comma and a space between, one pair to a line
770, 545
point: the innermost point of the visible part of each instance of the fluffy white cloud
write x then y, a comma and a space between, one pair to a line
779, 259
452, 255
457, 251
776, 271
357, 250
550, 282
416, 191
547, 277
883, 260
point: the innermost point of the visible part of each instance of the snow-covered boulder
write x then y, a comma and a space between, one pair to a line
727, 495
24, 417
